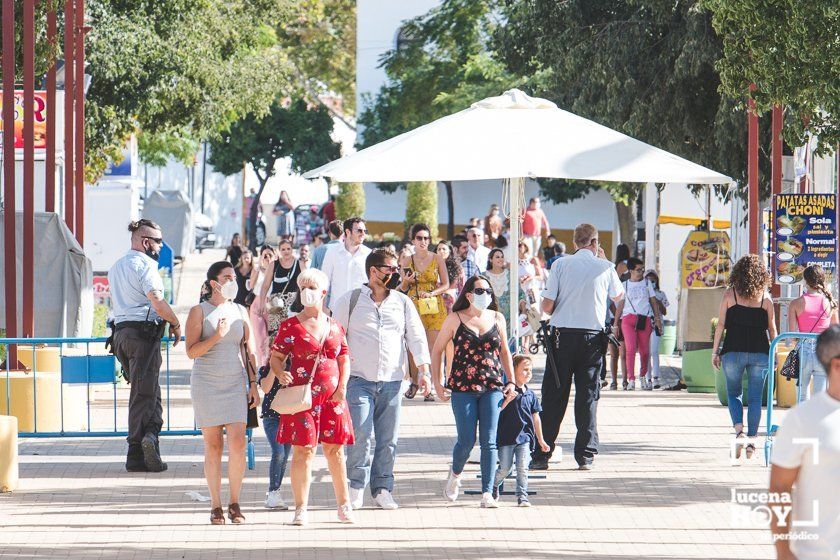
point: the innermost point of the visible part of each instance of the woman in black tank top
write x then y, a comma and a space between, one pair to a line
747, 318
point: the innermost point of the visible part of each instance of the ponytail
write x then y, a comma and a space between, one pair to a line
815, 278
827, 295
206, 291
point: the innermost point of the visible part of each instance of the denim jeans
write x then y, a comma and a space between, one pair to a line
279, 453
810, 368
375, 411
522, 453
734, 364
473, 409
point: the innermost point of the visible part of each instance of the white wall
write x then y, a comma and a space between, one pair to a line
377, 22
472, 199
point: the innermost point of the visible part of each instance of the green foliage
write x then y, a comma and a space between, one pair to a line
295, 131
319, 37
156, 149
350, 201
421, 205
100, 319
791, 51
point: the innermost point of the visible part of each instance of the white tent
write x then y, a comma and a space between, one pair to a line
513, 137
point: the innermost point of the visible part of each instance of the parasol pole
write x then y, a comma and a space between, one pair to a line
515, 193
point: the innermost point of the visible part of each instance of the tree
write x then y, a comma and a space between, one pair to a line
350, 201
319, 37
441, 65
644, 68
421, 206
792, 51
294, 130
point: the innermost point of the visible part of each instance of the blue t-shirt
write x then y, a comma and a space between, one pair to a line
516, 422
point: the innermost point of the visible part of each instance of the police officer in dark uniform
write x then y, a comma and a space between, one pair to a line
140, 314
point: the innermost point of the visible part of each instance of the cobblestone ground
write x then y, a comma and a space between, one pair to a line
661, 489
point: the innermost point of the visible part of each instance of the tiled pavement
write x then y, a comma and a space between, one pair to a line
661, 489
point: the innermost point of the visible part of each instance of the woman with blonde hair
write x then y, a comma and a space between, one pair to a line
813, 312
746, 315
311, 348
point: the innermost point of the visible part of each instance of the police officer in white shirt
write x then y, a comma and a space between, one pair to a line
382, 325
806, 468
344, 263
139, 314
576, 297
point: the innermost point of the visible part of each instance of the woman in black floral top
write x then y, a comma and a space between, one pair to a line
476, 380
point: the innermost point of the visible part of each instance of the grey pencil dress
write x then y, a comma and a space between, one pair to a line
218, 385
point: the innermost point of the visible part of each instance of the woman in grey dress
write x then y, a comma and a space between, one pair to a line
221, 386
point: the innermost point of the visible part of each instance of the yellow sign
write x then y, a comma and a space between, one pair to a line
704, 260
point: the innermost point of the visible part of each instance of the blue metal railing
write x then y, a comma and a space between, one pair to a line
771, 380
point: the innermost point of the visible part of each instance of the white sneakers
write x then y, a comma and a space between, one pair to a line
273, 500
301, 516
385, 500
345, 514
453, 487
487, 501
357, 497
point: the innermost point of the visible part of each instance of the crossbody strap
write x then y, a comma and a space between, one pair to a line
814, 326
320, 350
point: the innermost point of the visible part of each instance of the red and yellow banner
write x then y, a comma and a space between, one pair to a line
40, 112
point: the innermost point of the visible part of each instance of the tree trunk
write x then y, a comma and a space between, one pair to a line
450, 211
626, 224
252, 215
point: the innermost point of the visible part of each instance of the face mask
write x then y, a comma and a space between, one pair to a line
229, 290
310, 297
391, 281
537, 205
481, 301
151, 253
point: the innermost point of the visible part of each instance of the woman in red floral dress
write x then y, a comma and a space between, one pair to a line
293, 355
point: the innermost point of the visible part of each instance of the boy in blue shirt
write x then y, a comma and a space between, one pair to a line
519, 431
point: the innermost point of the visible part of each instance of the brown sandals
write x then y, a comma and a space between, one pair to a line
217, 516
235, 514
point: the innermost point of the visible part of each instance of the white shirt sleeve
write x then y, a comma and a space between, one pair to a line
786, 453
341, 309
150, 279
328, 264
415, 334
552, 286
615, 289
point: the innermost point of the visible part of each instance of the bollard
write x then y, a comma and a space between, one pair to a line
8, 453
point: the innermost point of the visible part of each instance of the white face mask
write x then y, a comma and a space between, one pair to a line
229, 290
310, 297
482, 301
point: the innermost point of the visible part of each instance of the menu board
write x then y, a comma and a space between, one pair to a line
704, 260
805, 229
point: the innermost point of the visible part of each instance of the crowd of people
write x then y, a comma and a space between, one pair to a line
330, 334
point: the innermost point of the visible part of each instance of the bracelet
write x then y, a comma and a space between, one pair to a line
252, 382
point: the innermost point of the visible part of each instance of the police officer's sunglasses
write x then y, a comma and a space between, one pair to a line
158, 240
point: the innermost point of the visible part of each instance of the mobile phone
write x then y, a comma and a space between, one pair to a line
407, 272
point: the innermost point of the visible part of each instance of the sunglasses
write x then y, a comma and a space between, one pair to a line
391, 269
158, 240
359, 231
481, 291
422, 238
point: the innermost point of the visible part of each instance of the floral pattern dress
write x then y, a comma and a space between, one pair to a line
326, 421
477, 366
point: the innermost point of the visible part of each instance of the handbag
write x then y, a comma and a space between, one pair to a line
426, 305
641, 320
252, 421
790, 369
291, 400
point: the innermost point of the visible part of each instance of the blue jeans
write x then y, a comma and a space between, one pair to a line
375, 411
810, 367
755, 364
522, 453
279, 453
477, 409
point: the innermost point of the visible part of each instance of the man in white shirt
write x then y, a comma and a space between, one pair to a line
806, 467
477, 252
344, 263
382, 325
576, 297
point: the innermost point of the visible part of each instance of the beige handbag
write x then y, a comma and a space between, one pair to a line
291, 400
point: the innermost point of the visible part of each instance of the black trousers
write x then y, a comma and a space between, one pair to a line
573, 357
140, 359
